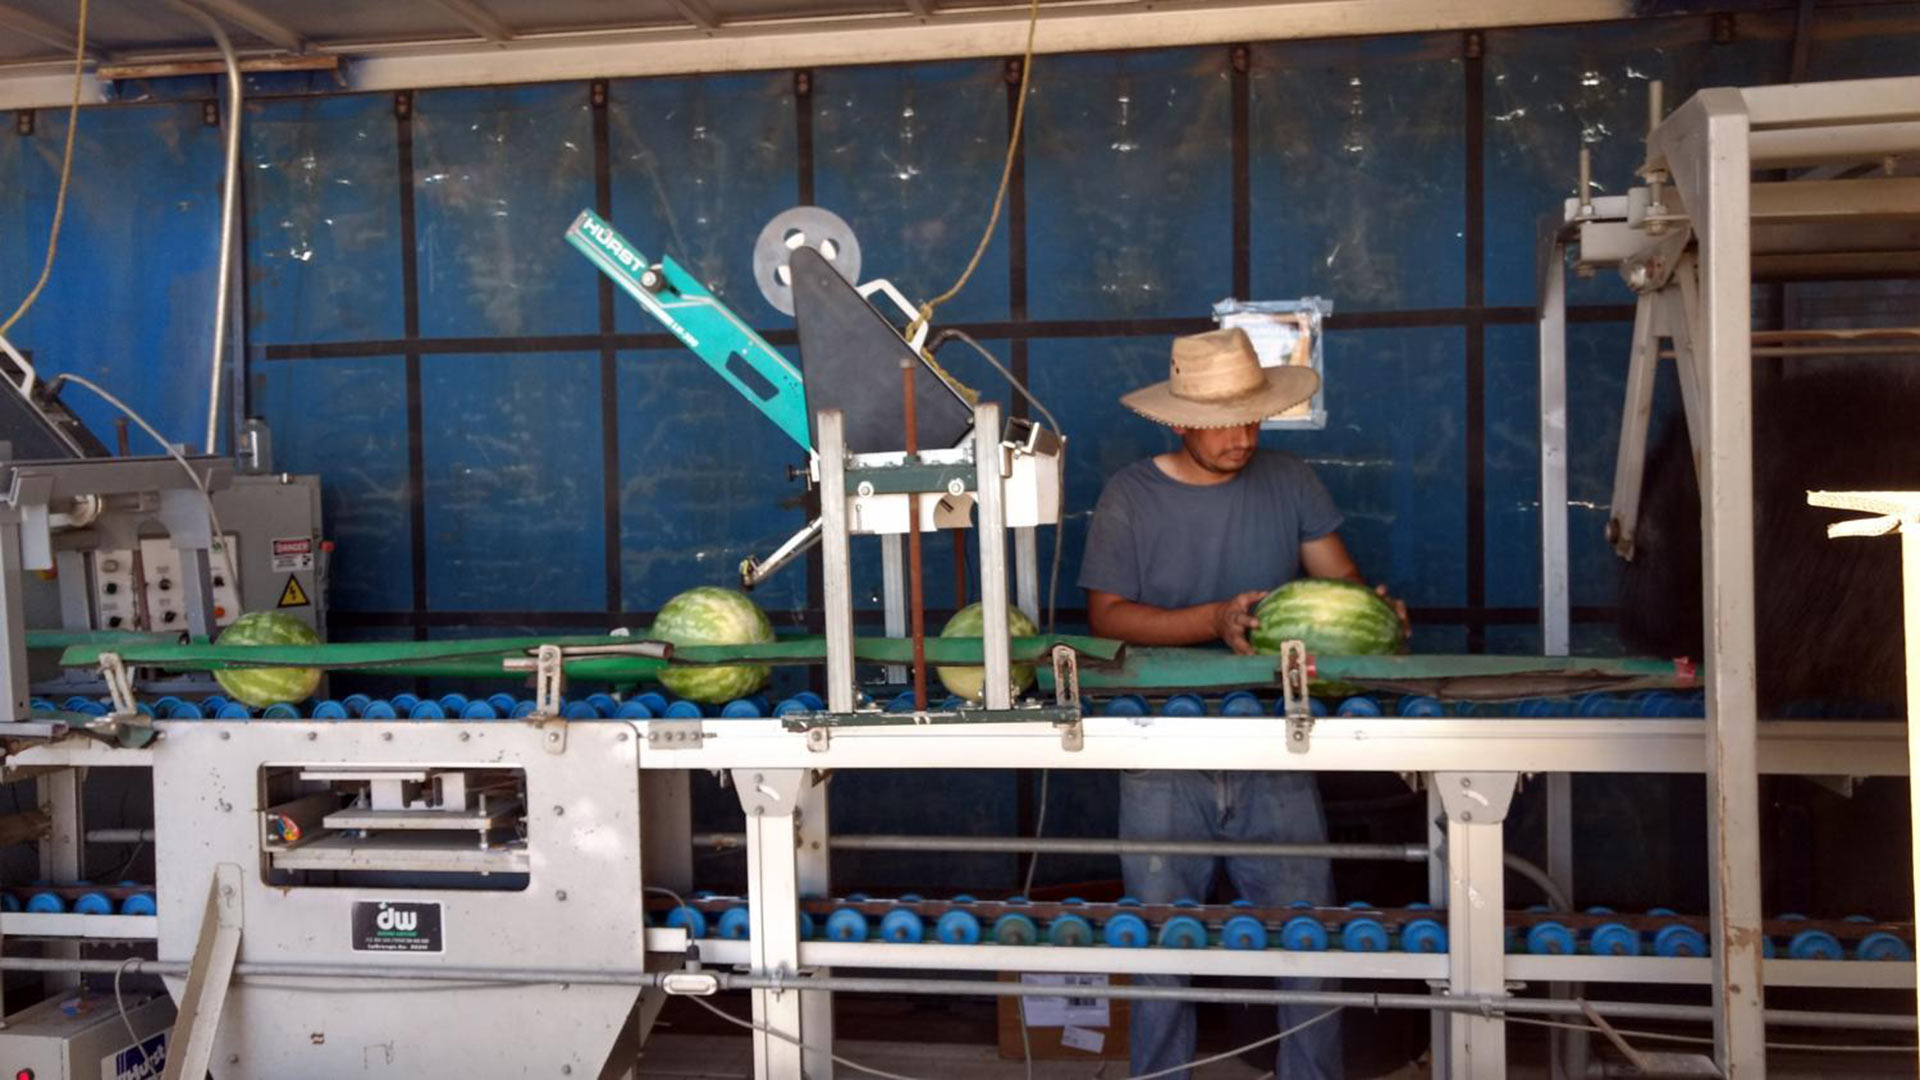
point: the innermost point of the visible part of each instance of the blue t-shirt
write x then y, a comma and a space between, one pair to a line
1158, 541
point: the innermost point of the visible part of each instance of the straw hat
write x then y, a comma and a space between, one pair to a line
1217, 382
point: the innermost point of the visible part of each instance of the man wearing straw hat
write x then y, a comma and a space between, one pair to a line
1181, 546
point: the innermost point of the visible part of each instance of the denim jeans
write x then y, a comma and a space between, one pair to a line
1243, 807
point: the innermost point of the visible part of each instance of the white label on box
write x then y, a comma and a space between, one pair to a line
1086, 1012
292, 553
1082, 1039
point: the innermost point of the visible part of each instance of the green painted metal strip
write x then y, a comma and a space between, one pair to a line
705, 325
64, 639
1447, 675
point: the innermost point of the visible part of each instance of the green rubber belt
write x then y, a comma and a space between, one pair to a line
1104, 665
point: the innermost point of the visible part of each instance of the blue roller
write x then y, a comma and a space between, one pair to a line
1363, 935
1070, 931
1550, 939
1125, 705
93, 708
403, 703
1303, 934
1599, 909
502, 703
963, 898
356, 704
73, 703
1127, 901
1315, 707
453, 704
736, 923
579, 710
380, 710
910, 898
1358, 706
184, 710
787, 707
1881, 945
46, 903
1767, 950
479, 710
1421, 705
1184, 705
523, 709
632, 710
901, 702
93, 903
1861, 920
952, 703
1182, 932
1419, 905
812, 699
1679, 940
1241, 703
846, 924
693, 919
1126, 931
9, 902
1359, 905
140, 903
1014, 928
427, 709
1815, 945
683, 709
806, 926
161, 705
280, 711
1668, 912
233, 710
743, 709
603, 704
330, 710
1651, 703
903, 927
1243, 932
1614, 939
1423, 936
1598, 705
145, 710
957, 928
857, 898
654, 701
1534, 708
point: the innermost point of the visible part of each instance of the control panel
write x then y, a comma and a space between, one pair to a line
114, 586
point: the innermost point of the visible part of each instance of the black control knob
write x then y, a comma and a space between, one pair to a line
170, 616
111, 588
166, 584
114, 622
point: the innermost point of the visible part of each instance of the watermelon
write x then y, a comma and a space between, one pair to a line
970, 622
1331, 617
708, 615
264, 686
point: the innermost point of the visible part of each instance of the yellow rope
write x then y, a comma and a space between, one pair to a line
66, 172
1006, 176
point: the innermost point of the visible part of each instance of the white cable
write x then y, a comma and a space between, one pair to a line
122, 1002
1238, 1050
213, 518
755, 1025
1894, 1048
1039, 823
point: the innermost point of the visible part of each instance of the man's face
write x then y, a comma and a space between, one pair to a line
1224, 451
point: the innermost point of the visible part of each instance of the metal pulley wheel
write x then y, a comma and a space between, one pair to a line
802, 226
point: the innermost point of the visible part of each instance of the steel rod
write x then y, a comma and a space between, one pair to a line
229, 194
1094, 846
916, 598
119, 836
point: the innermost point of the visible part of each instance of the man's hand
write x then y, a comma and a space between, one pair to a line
1233, 618
1400, 607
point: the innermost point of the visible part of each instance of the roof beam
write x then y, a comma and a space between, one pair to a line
696, 12
922, 9
253, 22
478, 19
29, 25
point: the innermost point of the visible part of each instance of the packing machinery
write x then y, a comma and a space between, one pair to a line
486, 886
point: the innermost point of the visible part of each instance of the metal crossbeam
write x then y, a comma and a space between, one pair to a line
478, 19
253, 21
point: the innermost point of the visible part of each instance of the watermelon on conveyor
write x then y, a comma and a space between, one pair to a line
708, 615
1332, 618
971, 622
264, 686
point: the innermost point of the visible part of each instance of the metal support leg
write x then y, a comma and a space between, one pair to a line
76, 590
14, 680
212, 969
61, 793
1636, 413
1437, 896
770, 798
836, 572
812, 856
1026, 572
1704, 145
893, 595
1554, 610
992, 526
1476, 915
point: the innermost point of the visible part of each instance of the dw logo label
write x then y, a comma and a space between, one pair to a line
407, 926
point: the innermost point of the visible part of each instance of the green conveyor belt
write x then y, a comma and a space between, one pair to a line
67, 639
1104, 664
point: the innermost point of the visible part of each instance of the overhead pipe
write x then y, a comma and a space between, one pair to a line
229, 201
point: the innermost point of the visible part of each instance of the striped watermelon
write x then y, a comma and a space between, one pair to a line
1331, 617
971, 682
713, 616
261, 687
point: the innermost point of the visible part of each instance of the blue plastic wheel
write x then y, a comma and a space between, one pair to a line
1126, 931
1243, 932
1881, 945
1182, 932
233, 710
1614, 939
479, 710
380, 710
1363, 935
632, 710
426, 710
502, 703
1600, 909
401, 702
1184, 705
48, 903
1126, 705
1424, 936
452, 704
579, 710
846, 924
9, 902
1358, 706
1550, 939
1186, 902
1669, 912
806, 926
742, 709
903, 927
603, 704
330, 710
654, 700
1421, 705
1241, 703
93, 903
522, 709
1815, 945
1070, 932
140, 903
735, 924
693, 919
1014, 928
683, 710
1303, 934
1679, 941
957, 928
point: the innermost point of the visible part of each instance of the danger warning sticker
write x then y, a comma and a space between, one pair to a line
292, 553
293, 595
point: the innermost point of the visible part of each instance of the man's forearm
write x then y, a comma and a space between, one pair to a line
1144, 624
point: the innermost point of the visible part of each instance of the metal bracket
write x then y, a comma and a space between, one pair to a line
1066, 694
769, 792
119, 687
676, 734
1296, 670
1480, 798
549, 677
819, 739
125, 726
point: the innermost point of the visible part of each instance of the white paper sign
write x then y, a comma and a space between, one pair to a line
1082, 1039
1066, 1010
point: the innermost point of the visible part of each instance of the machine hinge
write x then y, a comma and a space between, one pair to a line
1296, 671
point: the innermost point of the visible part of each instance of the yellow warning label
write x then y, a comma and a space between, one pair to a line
293, 595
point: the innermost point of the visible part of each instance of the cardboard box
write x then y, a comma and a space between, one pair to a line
1067, 1027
